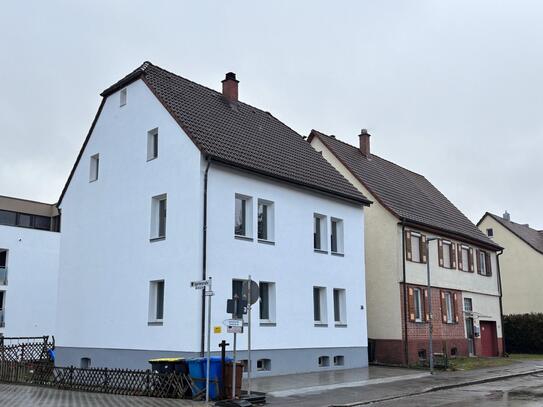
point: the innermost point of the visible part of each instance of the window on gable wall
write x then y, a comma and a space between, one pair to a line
94, 167
319, 232
122, 97
158, 217
152, 144
336, 236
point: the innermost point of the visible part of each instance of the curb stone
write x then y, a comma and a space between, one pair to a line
441, 388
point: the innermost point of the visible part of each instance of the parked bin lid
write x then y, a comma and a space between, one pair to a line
166, 360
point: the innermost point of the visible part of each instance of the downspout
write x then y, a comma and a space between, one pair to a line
405, 345
204, 260
501, 297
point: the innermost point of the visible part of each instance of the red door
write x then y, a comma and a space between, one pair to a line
489, 338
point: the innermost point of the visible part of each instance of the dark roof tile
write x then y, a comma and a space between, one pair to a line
532, 237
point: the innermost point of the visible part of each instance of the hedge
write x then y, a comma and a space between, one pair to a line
523, 333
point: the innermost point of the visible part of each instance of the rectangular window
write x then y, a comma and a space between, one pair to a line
415, 247
319, 305
24, 220
94, 167
319, 232
490, 232
42, 222
465, 259
122, 97
340, 306
450, 308
336, 236
8, 218
2, 307
158, 217
243, 216
265, 220
417, 302
468, 304
156, 301
267, 302
482, 263
152, 144
447, 255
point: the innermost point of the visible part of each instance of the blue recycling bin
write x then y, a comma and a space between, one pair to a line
198, 369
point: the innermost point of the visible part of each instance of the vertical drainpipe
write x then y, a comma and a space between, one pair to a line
204, 260
501, 297
405, 345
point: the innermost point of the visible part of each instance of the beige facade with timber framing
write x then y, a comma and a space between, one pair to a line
407, 212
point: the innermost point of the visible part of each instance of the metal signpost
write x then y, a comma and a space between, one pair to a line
251, 290
202, 285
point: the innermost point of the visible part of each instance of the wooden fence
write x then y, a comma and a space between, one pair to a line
26, 349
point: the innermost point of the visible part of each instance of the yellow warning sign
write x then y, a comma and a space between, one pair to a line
217, 329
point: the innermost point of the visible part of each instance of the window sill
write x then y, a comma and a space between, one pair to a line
320, 251
337, 254
264, 241
157, 239
155, 323
151, 159
321, 325
93, 180
246, 238
268, 323
340, 325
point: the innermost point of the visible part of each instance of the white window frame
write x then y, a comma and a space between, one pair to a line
154, 297
416, 255
320, 239
465, 262
270, 287
263, 365
248, 216
447, 257
470, 301
94, 167
482, 261
152, 144
339, 236
122, 97
340, 306
156, 217
270, 220
450, 307
323, 312
418, 304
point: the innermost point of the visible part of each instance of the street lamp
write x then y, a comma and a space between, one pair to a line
430, 323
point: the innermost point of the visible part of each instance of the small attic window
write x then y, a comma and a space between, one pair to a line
122, 100
490, 232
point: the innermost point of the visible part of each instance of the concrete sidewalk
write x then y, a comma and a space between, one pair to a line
404, 385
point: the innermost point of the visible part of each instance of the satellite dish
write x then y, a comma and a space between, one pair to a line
255, 291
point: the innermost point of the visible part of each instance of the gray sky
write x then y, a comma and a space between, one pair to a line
450, 89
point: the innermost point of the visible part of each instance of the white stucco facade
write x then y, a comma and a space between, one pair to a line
30, 292
108, 260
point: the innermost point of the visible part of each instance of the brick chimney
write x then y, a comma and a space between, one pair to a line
364, 142
230, 87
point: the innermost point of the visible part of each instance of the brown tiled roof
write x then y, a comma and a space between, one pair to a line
532, 237
241, 135
406, 194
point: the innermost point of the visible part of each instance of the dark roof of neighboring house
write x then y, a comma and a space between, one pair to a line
240, 135
406, 194
531, 237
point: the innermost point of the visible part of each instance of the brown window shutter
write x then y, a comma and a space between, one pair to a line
411, 304
443, 307
488, 264
423, 248
440, 252
471, 268
426, 305
460, 265
453, 256
478, 256
455, 302
408, 253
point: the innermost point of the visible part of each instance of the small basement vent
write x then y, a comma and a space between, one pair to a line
324, 361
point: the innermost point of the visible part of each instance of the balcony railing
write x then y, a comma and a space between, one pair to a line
3, 276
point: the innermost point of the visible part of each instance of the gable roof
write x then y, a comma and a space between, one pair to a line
532, 237
240, 135
407, 195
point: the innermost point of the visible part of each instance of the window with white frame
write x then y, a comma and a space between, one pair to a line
156, 301
336, 236
158, 217
340, 306
265, 220
319, 305
324, 361
468, 304
449, 309
263, 365
339, 360
2, 307
484, 259
415, 247
94, 167
465, 259
267, 302
417, 302
152, 144
242, 216
319, 232
447, 250
122, 97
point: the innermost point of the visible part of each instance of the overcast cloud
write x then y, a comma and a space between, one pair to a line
450, 89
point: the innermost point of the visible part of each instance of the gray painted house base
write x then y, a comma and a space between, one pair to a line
282, 361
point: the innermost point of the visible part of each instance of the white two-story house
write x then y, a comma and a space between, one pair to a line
409, 216
177, 182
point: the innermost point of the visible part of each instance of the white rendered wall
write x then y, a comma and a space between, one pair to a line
291, 263
31, 290
107, 259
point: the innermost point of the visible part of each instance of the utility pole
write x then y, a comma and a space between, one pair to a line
431, 322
